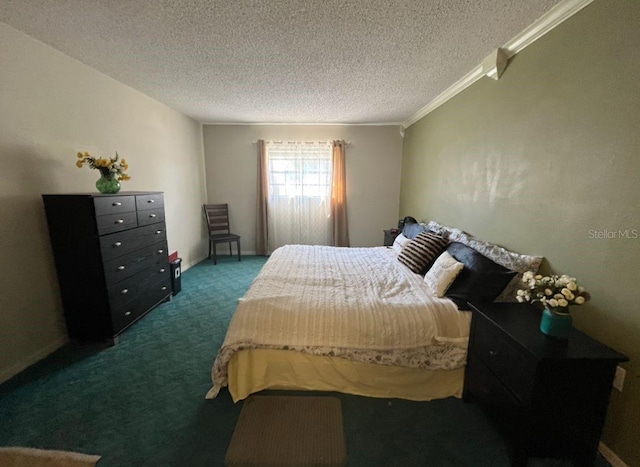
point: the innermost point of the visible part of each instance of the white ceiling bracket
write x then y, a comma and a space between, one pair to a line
494, 65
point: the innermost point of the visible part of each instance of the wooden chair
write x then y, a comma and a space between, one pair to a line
217, 216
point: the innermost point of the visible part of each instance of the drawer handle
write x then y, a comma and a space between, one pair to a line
116, 204
493, 353
127, 313
158, 232
164, 287
162, 270
123, 291
160, 252
119, 221
151, 216
151, 201
120, 268
117, 244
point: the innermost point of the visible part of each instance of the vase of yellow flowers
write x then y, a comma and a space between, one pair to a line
556, 293
112, 171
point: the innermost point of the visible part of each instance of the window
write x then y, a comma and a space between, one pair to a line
299, 201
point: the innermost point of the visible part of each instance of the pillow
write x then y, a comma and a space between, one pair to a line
503, 257
399, 243
420, 251
411, 231
442, 274
481, 280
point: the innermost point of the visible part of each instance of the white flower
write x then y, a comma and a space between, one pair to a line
553, 290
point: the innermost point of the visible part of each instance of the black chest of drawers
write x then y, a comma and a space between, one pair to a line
550, 396
111, 258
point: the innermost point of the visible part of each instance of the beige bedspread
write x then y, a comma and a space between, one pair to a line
356, 303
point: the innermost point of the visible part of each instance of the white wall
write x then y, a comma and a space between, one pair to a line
51, 107
373, 166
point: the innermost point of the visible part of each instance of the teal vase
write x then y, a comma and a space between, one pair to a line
108, 184
556, 323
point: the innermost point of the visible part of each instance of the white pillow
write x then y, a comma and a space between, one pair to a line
400, 242
442, 274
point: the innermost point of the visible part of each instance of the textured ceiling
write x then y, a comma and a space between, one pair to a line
280, 61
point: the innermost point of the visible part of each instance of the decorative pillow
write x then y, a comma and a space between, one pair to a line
411, 231
481, 280
399, 243
442, 274
503, 257
420, 251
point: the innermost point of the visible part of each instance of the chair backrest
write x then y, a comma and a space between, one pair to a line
217, 216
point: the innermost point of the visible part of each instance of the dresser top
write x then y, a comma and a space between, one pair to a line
97, 194
521, 321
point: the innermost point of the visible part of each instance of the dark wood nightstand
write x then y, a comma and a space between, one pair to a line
549, 395
390, 235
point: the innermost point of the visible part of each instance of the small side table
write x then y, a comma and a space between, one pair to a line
389, 236
549, 395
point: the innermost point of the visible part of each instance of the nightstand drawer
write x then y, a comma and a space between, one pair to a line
490, 391
514, 369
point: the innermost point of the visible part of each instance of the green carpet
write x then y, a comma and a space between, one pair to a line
141, 402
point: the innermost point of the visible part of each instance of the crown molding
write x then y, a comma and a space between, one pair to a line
551, 19
303, 124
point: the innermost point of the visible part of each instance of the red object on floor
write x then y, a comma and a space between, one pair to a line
173, 256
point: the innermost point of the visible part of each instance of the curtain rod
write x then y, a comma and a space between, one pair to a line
298, 142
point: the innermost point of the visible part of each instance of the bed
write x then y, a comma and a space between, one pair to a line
353, 320
365, 321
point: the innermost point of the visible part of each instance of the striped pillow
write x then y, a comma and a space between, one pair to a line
422, 250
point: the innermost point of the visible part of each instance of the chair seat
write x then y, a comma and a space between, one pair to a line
224, 237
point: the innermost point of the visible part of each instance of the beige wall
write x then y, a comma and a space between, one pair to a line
52, 106
542, 161
373, 174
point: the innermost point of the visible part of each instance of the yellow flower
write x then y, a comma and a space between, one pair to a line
112, 165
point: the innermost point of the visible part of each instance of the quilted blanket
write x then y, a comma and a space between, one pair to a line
356, 303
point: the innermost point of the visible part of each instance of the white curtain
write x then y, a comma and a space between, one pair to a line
299, 200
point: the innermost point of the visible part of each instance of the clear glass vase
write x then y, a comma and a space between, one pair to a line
108, 183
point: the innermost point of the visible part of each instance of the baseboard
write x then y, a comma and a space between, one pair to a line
610, 456
35, 357
186, 266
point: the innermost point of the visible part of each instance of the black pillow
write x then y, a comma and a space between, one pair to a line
481, 280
